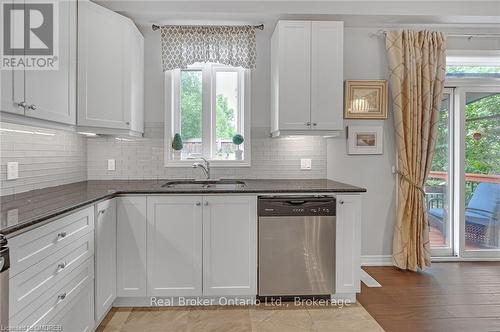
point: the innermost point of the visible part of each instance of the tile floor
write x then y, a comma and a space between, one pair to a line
239, 319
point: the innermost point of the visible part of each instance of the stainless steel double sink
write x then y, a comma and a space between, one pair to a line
223, 184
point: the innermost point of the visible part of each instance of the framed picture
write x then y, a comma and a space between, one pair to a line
365, 139
365, 99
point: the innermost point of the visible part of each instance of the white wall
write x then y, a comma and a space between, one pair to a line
364, 58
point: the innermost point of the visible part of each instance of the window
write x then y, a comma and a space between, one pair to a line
473, 65
208, 108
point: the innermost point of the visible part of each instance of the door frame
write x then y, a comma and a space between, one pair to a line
459, 211
452, 249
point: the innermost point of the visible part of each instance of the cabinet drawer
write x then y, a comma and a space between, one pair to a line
33, 282
77, 316
45, 307
31, 247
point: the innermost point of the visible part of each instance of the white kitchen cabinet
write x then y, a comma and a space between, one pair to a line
307, 78
291, 75
229, 245
175, 245
110, 72
47, 94
348, 244
327, 66
131, 246
105, 257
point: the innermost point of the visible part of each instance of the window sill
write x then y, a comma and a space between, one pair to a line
213, 163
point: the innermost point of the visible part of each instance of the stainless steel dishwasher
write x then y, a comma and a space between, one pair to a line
296, 245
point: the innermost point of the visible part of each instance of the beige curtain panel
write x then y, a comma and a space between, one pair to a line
182, 46
417, 61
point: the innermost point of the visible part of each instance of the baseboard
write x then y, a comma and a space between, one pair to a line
376, 260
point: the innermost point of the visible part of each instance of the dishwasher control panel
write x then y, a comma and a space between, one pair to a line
296, 206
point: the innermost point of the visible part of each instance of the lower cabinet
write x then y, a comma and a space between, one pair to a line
202, 245
131, 246
78, 315
229, 245
348, 244
175, 245
105, 257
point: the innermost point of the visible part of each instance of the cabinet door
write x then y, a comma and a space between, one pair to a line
327, 75
102, 67
136, 57
105, 257
51, 94
294, 61
348, 245
131, 246
174, 245
230, 245
12, 81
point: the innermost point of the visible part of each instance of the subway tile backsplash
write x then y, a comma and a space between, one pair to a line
142, 158
46, 157
50, 157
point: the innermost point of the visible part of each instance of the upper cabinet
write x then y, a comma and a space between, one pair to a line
307, 78
47, 93
110, 72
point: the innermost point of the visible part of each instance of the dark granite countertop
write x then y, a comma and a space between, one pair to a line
20, 211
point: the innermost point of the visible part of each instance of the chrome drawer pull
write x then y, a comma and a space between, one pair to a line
101, 212
61, 235
61, 266
61, 297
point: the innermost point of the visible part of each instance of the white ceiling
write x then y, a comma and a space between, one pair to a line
369, 13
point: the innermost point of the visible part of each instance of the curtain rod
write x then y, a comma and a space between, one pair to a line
454, 35
157, 26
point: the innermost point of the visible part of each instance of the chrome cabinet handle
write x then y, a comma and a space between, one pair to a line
61, 235
341, 202
314, 124
61, 297
101, 212
61, 266
198, 204
32, 107
206, 203
22, 104
308, 123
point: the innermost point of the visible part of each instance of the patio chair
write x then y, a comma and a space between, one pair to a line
481, 216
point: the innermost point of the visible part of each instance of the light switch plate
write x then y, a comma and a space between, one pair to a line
12, 170
305, 164
111, 165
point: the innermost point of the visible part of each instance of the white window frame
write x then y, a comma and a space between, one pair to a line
172, 114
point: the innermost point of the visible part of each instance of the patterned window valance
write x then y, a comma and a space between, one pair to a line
230, 45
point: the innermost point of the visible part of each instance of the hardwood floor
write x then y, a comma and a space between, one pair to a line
447, 297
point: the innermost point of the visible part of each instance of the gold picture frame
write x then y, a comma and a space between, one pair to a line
365, 99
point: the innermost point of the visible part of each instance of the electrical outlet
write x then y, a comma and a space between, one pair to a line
111, 165
305, 164
12, 170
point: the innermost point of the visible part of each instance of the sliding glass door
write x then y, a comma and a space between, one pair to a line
479, 194
463, 188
